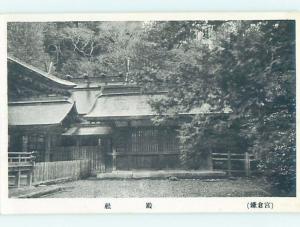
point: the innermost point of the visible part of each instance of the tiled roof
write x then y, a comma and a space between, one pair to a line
41, 73
38, 113
134, 106
111, 106
85, 99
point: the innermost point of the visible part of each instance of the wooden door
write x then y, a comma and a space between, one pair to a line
149, 148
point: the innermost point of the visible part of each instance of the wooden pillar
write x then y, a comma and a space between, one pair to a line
210, 161
102, 149
229, 163
160, 141
114, 159
29, 177
247, 164
78, 141
47, 148
74, 154
98, 155
18, 178
24, 143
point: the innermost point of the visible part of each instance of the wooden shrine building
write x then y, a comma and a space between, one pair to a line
121, 119
106, 122
39, 109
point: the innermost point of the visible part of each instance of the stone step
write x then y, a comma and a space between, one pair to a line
162, 174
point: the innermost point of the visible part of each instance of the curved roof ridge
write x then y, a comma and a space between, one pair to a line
42, 73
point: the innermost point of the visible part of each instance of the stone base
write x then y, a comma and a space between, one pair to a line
162, 174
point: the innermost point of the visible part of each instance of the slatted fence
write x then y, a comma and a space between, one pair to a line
92, 153
48, 171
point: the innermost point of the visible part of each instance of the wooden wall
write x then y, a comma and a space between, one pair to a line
146, 148
93, 153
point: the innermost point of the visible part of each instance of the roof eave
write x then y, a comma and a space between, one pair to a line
58, 81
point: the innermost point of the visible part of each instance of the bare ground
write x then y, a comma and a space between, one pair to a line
238, 187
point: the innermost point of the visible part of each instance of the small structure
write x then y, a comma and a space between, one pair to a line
35, 126
21, 163
39, 110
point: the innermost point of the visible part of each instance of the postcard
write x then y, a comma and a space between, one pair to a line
149, 113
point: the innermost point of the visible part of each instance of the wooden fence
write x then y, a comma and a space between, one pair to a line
48, 171
233, 163
23, 163
66, 162
92, 153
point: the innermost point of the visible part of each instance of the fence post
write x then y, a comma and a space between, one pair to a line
247, 164
18, 178
29, 178
210, 160
229, 163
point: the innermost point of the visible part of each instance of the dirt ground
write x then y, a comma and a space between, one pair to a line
239, 187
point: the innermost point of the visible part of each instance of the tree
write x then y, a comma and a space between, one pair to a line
258, 80
185, 65
26, 42
250, 68
92, 48
77, 48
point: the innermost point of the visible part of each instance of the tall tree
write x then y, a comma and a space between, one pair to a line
92, 48
251, 68
26, 42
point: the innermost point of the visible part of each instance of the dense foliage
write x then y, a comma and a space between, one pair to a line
247, 67
75, 48
251, 68
259, 80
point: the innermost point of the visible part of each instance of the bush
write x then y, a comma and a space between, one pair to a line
279, 165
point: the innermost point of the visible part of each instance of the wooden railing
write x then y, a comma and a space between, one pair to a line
234, 163
21, 158
21, 163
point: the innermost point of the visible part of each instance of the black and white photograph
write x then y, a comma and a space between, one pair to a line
151, 109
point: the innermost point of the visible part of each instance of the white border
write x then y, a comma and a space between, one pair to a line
131, 205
